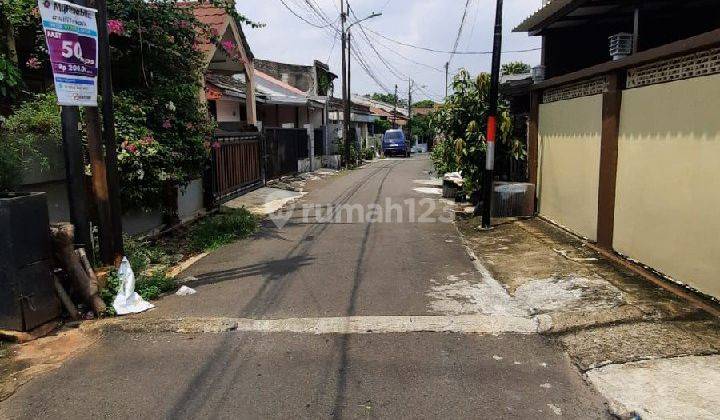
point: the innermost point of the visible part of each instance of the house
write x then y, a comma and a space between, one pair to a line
624, 137
230, 58
396, 115
361, 120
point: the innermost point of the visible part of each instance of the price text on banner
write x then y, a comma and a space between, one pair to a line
72, 40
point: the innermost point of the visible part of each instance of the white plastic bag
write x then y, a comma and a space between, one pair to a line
185, 291
127, 301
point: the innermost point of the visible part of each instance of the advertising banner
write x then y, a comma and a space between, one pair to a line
72, 41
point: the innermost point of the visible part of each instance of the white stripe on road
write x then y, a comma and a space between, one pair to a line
464, 324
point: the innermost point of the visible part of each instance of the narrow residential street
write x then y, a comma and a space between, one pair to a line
352, 326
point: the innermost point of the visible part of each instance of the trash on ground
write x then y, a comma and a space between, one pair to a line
185, 291
127, 300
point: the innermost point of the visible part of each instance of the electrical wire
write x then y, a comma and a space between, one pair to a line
460, 31
315, 25
406, 44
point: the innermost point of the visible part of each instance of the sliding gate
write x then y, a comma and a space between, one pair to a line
235, 166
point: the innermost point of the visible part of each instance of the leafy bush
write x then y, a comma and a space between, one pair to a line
222, 229
368, 153
444, 157
33, 123
10, 78
463, 122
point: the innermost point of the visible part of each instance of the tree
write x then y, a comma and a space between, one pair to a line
425, 103
381, 126
462, 120
515, 67
388, 98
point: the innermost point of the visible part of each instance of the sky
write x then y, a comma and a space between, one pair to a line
431, 24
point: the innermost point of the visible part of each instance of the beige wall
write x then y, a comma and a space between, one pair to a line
228, 111
569, 163
667, 212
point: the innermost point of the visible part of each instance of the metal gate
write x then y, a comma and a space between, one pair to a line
283, 148
235, 166
319, 141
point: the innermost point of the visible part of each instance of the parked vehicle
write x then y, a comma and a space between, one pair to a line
394, 143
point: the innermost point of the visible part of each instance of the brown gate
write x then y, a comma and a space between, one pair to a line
235, 166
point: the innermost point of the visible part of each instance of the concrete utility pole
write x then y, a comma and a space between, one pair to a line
346, 116
348, 104
492, 119
395, 109
410, 83
447, 69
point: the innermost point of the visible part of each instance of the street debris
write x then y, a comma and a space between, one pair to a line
185, 291
127, 300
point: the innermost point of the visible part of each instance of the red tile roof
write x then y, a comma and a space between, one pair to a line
217, 19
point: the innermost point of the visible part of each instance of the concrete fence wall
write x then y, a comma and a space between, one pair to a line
569, 156
666, 181
667, 208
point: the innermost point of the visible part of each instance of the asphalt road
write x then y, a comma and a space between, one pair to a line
312, 268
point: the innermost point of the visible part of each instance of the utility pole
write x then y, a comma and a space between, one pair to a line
346, 117
492, 119
395, 109
112, 174
447, 70
348, 104
410, 83
75, 172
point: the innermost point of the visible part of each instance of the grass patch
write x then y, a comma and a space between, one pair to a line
221, 229
151, 260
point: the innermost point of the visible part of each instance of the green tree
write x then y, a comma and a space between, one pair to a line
388, 98
425, 103
462, 121
515, 67
381, 126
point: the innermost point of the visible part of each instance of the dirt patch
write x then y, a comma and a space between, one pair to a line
553, 271
625, 343
23, 362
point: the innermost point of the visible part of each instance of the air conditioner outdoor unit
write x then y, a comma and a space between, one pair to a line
538, 74
621, 45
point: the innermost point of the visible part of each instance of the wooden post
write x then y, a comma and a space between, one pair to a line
99, 183
75, 176
113, 176
612, 102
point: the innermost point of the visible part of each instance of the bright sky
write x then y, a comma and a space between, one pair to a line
426, 23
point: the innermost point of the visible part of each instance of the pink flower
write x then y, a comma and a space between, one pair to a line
167, 124
228, 45
214, 32
216, 145
147, 140
116, 27
189, 126
131, 148
33, 63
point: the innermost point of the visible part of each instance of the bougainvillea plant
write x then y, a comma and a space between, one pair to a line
164, 133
